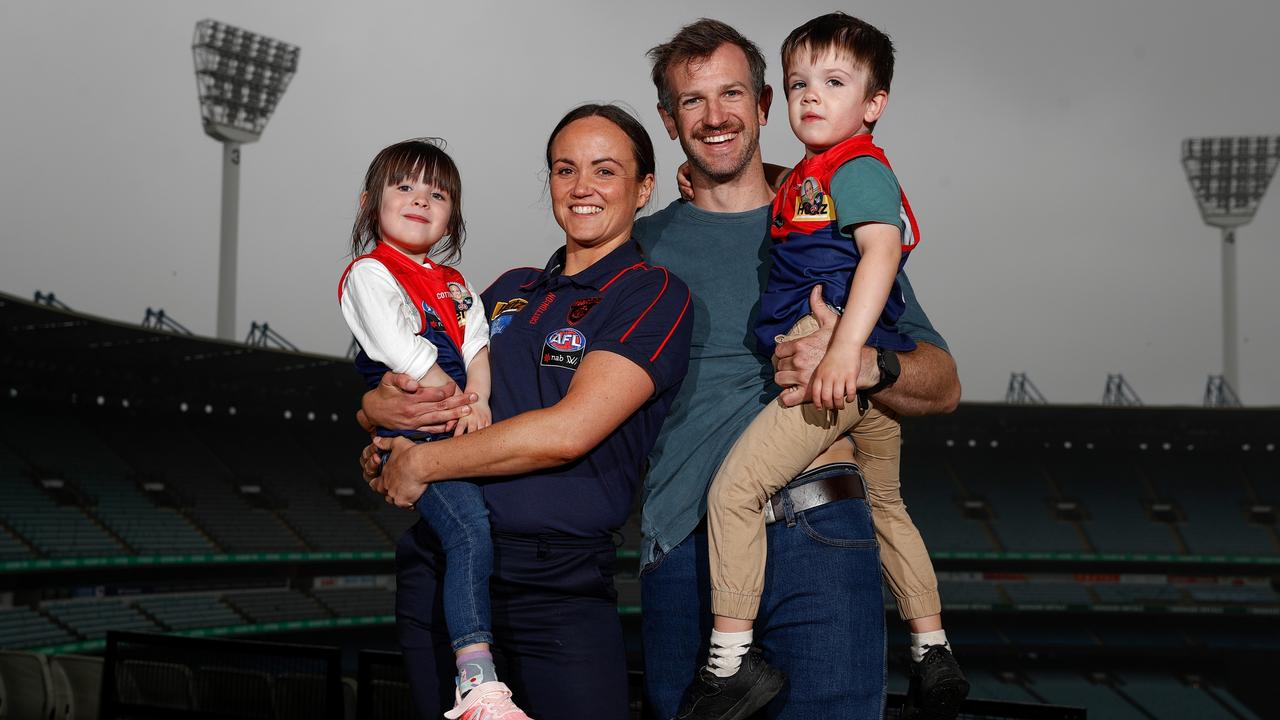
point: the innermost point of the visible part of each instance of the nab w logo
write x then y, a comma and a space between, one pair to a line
566, 340
564, 349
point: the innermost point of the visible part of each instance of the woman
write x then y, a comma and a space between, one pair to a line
587, 356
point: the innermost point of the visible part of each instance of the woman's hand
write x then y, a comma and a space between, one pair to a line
400, 481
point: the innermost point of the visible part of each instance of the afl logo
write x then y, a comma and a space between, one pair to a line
564, 348
566, 340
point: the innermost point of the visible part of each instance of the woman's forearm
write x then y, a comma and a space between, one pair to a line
606, 390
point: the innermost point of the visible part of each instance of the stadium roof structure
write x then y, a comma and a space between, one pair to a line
48, 352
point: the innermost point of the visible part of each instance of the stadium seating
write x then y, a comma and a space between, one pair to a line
1069, 688
23, 627
1019, 500
934, 502
1058, 593
1213, 504
91, 618
177, 457
1114, 504
186, 612
304, 493
1165, 697
358, 602
277, 605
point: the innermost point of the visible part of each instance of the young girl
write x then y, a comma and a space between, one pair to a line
411, 315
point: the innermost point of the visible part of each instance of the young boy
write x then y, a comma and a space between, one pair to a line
841, 223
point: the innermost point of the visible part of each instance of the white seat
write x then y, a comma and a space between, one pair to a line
83, 677
25, 686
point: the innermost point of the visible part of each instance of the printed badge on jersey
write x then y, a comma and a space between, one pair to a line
812, 203
462, 301
564, 348
433, 320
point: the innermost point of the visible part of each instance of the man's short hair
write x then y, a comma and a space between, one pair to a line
698, 41
847, 35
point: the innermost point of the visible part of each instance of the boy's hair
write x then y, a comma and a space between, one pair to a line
697, 41
847, 35
407, 160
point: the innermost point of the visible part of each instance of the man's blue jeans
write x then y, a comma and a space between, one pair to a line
821, 616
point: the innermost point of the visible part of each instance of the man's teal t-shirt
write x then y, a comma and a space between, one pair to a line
723, 258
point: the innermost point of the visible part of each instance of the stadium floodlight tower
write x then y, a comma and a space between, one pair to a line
1229, 176
240, 77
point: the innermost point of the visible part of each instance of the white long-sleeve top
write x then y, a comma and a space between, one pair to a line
383, 319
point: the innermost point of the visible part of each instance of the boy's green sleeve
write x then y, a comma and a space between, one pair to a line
864, 191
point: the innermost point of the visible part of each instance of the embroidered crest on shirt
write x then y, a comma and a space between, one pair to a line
503, 311
564, 348
580, 308
812, 202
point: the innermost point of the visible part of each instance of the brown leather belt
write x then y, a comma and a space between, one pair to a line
809, 494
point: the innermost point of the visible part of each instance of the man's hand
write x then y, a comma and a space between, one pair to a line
402, 403
796, 360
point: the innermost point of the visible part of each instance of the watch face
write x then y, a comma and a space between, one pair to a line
889, 364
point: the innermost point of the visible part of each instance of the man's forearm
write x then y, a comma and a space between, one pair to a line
927, 385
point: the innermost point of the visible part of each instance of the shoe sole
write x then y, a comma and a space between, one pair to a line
942, 702
758, 697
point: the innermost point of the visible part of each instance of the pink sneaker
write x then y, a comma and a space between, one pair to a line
488, 701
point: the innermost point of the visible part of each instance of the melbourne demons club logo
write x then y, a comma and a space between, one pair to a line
564, 348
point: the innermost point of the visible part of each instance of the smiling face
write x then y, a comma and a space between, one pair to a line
413, 215
595, 184
717, 116
827, 100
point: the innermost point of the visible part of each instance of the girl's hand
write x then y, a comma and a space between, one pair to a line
481, 417
836, 378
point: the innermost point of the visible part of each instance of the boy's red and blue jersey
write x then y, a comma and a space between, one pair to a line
809, 249
432, 290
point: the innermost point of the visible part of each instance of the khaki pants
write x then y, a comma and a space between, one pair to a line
778, 445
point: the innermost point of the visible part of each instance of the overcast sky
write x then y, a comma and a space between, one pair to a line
1038, 141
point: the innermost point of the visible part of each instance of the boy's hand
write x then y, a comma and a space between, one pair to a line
836, 378
684, 181
481, 417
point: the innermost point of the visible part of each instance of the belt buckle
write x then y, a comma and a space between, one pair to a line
768, 507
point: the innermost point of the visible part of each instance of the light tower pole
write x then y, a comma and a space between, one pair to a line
240, 77
1229, 176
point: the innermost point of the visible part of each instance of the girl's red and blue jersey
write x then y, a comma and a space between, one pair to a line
433, 291
809, 249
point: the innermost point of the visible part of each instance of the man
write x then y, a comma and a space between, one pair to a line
821, 617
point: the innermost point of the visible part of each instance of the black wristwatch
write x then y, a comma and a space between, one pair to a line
887, 361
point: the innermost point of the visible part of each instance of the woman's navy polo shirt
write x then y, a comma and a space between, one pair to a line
541, 325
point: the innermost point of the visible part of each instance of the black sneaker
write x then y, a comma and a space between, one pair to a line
937, 686
712, 697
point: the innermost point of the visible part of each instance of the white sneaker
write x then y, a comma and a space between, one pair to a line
487, 701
